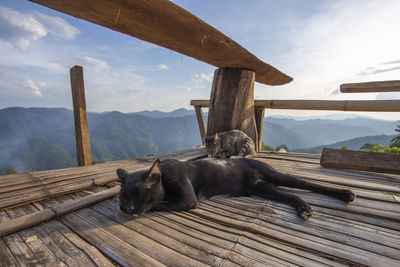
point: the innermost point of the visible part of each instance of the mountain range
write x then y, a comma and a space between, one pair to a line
34, 139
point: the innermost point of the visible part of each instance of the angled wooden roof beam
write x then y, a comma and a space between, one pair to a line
166, 24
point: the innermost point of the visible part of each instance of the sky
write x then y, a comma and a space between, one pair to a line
320, 43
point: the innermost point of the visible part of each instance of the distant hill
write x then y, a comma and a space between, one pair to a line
182, 112
40, 138
274, 134
34, 139
353, 144
314, 132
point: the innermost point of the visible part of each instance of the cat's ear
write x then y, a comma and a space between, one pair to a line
154, 175
122, 175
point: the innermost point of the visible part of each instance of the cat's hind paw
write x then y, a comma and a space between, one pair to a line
304, 211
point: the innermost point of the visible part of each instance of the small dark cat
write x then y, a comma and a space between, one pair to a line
231, 143
173, 185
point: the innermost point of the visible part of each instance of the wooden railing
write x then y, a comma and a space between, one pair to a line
371, 87
343, 105
260, 105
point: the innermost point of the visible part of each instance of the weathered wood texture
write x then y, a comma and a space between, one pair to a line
59, 210
232, 103
166, 24
83, 154
346, 105
370, 87
361, 160
224, 231
259, 116
202, 124
48, 244
17, 189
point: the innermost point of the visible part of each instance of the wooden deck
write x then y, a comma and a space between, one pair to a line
223, 231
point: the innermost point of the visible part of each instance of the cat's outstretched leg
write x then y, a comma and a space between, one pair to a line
270, 191
270, 175
294, 182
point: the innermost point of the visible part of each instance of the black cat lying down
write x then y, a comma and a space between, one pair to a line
173, 185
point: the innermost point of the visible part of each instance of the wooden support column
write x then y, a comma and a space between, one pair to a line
232, 102
83, 153
259, 116
202, 125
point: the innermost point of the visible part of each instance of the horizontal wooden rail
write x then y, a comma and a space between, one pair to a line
371, 87
344, 105
35, 218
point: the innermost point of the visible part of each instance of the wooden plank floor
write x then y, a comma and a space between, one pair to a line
223, 231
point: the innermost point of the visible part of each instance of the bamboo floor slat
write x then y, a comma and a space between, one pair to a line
223, 231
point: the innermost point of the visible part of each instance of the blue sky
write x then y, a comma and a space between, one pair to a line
320, 43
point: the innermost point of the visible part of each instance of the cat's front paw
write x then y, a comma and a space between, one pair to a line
347, 196
161, 207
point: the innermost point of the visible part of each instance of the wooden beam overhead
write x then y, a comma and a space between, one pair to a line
166, 24
371, 87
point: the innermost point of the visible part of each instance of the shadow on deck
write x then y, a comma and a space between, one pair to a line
222, 231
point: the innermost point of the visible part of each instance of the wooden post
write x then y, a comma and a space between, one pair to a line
259, 115
232, 102
202, 125
83, 154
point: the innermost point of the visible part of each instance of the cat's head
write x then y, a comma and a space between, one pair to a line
140, 191
212, 144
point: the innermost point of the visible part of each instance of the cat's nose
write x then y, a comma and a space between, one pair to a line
126, 210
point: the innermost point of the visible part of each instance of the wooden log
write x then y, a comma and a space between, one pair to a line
259, 116
346, 105
202, 125
232, 103
361, 160
370, 87
203, 103
157, 21
83, 153
342, 105
26, 221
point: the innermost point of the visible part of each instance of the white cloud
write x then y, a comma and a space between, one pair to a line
203, 77
94, 64
381, 68
202, 80
337, 42
57, 26
185, 88
162, 67
35, 88
21, 29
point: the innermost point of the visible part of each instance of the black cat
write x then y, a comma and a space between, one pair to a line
173, 185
